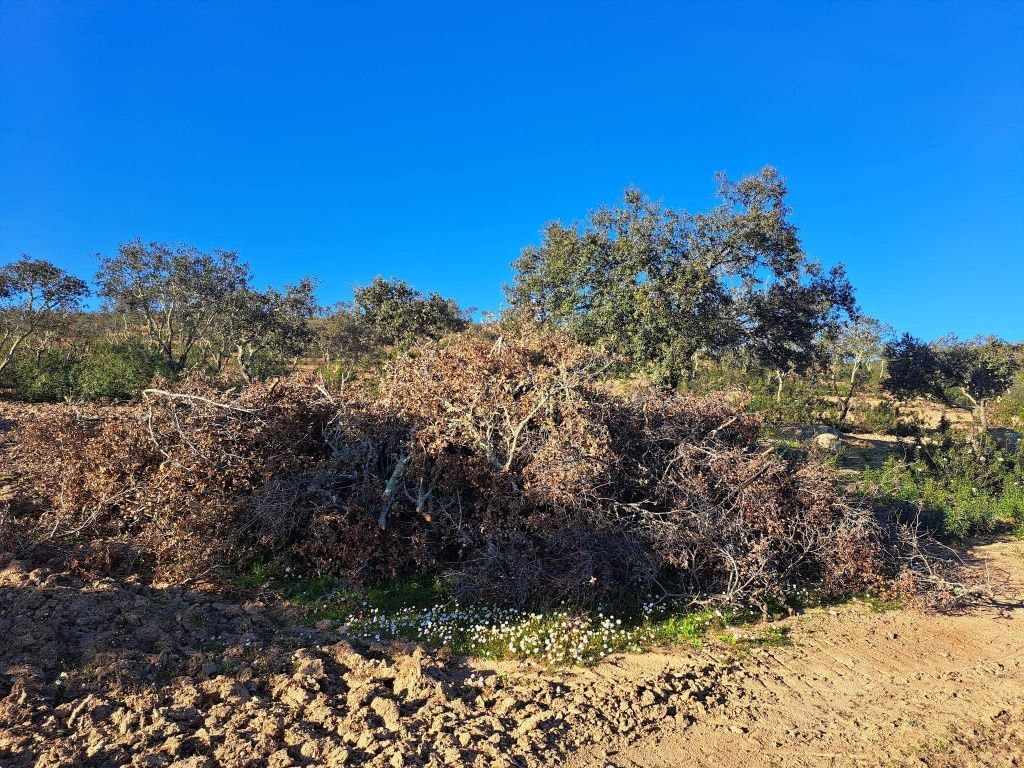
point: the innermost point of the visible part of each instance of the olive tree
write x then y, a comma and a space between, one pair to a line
177, 292
35, 296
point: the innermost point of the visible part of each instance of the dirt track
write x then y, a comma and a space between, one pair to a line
859, 688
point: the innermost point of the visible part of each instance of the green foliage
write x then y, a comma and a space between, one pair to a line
958, 489
658, 286
978, 369
800, 403
340, 338
852, 359
264, 364
396, 314
50, 376
912, 367
262, 329
328, 597
423, 609
117, 370
962, 374
769, 637
882, 418
176, 292
1008, 410
882, 604
35, 297
385, 318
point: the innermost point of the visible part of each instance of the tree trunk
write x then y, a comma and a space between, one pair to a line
241, 363
845, 409
10, 352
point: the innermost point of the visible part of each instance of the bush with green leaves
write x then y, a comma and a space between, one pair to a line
956, 488
118, 370
881, 418
114, 370
801, 403
49, 376
1008, 411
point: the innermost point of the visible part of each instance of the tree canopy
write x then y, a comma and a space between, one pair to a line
658, 286
34, 294
962, 374
177, 290
396, 313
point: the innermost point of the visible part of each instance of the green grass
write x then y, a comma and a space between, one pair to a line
336, 600
881, 605
424, 610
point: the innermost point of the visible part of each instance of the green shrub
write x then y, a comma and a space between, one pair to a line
959, 490
880, 419
800, 403
266, 364
1008, 410
117, 370
50, 376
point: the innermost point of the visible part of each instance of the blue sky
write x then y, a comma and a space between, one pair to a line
432, 141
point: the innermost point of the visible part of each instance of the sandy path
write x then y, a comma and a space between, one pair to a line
859, 688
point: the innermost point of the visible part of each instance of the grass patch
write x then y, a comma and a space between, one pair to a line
881, 605
423, 610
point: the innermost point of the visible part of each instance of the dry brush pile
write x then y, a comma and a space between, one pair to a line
504, 462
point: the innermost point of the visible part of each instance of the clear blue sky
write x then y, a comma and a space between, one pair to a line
431, 141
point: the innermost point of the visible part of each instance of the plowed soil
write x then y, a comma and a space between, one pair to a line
111, 672
861, 688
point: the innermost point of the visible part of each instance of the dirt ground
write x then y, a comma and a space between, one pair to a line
861, 688
110, 672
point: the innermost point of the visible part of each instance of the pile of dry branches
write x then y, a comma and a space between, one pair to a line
500, 460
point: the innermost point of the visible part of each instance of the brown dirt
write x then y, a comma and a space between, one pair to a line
861, 688
110, 672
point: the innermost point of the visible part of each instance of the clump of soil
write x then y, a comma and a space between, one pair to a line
111, 672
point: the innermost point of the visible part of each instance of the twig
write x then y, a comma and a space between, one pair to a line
184, 396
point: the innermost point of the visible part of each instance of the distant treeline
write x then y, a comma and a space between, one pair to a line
726, 297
